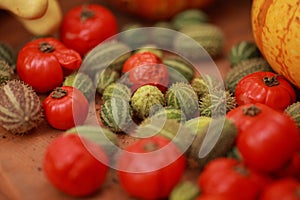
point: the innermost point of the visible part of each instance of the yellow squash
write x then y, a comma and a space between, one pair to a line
276, 30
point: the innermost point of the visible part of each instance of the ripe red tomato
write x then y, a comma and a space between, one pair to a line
75, 165
146, 69
85, 26
267, 138
232, 179
267, 88
65, 108
213, 197
41, 63
292, 169
150, 168
287, 188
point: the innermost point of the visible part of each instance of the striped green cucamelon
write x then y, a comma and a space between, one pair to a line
221, 141
243, 50
133, 35
105, 78
244, 68
293, 110
82, 82
188, 17
179, 69
217, 102
20, 107
198, 38
109, 54
197, 123
8, 54
150, 48
182, 96
170, 113
147, 100
100, 135
6, 72
116, 90
116, 114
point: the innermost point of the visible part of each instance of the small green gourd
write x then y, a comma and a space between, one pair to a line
188, 17
6, 71
116, 90
293, 110
8, 54
105, 78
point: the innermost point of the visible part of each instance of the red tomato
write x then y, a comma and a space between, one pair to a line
146, 172
71, 166
267, 138
65, 108
85, 26
292, 169
213, 197
41, 62
267, 88
285, 189
230, 178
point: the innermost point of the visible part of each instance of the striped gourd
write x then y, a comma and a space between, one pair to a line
243, 68
243, 50
206, 37
116, 90
146, 100
20, 107
6, 71
105, 78
294, 111
100, 135
82, 82
188, 17
8, 54
109, 54
116, 114
197, 123
182, 96
150, 48
170, 113
203, 84
179, 69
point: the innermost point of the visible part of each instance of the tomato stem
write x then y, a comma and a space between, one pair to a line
59, 93
45, 47
86, 13
271, 81
151, 146
252, 111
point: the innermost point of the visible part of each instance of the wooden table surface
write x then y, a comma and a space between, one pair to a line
21, 175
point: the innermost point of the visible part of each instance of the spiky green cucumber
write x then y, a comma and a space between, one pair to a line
213, 141
146, 100
204, 36
109, 54
218, 102
243, 50
6, 72
188, 17
8, 54
82, 82
293, 110
105, 78
116, 90
116, 114
100, 135
185, 190
179, 69
150, 48
20, 107
205, 83
182, 96
244, 68
170, 113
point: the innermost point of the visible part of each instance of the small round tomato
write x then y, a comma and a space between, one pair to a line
267, 138
75, 165
286, 188
232, 179
85, 26
65, 108
267, 88
41, 63
146, 172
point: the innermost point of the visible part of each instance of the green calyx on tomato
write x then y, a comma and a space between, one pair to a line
86, 14
251, 111
271, 81
59, 93
45, 47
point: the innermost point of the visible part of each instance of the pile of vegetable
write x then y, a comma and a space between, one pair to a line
241, 133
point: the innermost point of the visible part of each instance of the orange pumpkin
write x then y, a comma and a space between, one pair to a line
276, 30
158, 9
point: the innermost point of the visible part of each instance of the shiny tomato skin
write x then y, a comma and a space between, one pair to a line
267, 88
267, 140
71, 166
285, 189
213, 197
292, 169
85, 26
67, 111
230, 178
151, 176
41, 63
